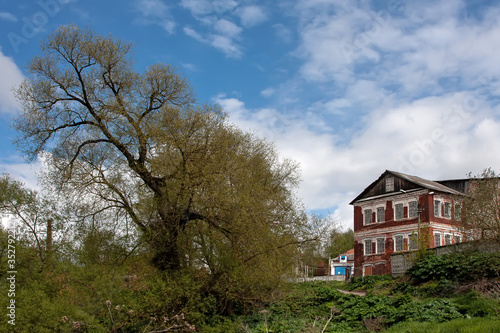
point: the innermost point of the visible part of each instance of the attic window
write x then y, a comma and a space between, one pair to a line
389, 184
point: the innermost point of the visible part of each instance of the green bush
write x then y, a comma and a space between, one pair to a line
467, 266
368, 282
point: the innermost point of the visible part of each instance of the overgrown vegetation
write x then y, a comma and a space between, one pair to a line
157, 215
75, 294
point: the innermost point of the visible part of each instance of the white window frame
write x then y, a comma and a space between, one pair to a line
377, 250
365, 215
383, 215
447, 209
457, 214
396, 204
437, 207
396, 243
414, 211
450, 239
457, 238
365, 247
440, 239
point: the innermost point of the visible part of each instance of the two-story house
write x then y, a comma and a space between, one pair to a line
398, 212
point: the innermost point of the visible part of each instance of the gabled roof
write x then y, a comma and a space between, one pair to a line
349, 254
416, 183
428, 184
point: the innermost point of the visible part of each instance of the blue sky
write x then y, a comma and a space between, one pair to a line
346, 88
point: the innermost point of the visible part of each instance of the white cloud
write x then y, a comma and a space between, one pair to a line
16, 168
155, 12
205, 7
268, 92
251, 15
434, 137
192, 33
223, 43
197, 7
8, 17
227, 28
11, 76
226, 45
283, 33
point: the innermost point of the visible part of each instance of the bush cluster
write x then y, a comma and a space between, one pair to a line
456, 267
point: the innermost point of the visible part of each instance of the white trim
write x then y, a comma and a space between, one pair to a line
406, 203
394, 229
395, 195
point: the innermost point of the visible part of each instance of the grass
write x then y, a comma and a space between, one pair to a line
473, 325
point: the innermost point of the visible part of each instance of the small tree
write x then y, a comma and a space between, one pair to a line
37, 216
480, 213
339, 242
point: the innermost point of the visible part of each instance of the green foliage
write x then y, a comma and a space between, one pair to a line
474, 305
368, 282
339, 242
474, 325
456, 267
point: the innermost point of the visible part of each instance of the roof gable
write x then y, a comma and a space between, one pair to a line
394, 182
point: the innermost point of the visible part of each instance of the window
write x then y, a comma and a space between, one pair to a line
368, 247
398, 243
437, 239
399, 211
412, 241
458, 239
380, 214
447, 210
458, 211
412, 209
368, 216
447, 239
437, 208
389, 184
380, 245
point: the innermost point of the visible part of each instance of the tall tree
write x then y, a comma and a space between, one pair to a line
200, 190
480, 211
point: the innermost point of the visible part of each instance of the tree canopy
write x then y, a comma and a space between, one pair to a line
480, 210
202, 193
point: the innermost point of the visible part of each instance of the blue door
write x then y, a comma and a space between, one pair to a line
339, 270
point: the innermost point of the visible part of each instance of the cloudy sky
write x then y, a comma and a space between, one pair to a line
346, 88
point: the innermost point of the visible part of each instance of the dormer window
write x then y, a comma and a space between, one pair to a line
389, 184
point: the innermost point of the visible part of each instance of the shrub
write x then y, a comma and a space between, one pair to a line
467, 266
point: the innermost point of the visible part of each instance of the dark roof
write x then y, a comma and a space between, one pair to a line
428, 184
416, 181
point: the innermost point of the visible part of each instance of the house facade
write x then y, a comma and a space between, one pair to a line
343, 264
397, 212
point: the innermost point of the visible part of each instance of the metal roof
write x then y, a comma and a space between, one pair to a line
424, 183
